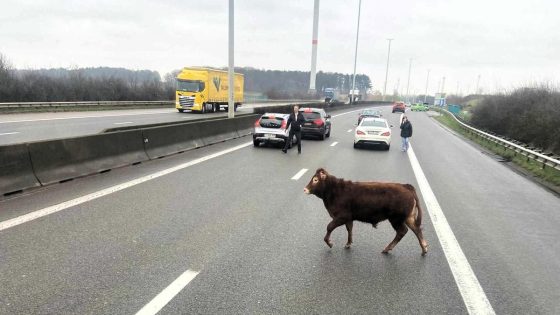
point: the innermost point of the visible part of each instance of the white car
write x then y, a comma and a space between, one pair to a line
373, 131
271, 128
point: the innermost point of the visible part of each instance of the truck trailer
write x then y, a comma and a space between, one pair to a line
206, 90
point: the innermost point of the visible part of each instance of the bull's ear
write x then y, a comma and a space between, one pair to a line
323, 174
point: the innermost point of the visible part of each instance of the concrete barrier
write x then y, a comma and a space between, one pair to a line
218, 130
16, 171
60, 160
166, 140
245, 125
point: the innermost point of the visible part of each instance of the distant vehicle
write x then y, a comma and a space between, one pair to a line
373, 131
407, 104
369, 113
419, 107
206, 90
317, 123
271, 128
398, 107
331, 95
354, 96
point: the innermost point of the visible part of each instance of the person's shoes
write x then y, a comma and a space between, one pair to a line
298, 152
284, 150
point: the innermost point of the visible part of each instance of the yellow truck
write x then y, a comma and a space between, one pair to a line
206, 90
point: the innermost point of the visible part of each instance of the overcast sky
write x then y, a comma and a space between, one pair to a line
509, 43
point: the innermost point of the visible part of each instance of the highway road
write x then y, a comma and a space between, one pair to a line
227, 229
28, 127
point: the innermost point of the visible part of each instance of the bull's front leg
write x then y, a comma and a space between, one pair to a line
349, 229
336, 222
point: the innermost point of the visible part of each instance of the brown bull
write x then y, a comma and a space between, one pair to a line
369, 202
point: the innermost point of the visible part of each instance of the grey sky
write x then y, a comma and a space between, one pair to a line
509, 43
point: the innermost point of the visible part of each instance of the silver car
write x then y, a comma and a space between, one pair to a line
271, 128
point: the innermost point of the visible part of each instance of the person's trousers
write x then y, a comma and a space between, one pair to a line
405, 144
298, 137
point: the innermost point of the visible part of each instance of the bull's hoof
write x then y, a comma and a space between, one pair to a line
348, 246
385, 251
329, 244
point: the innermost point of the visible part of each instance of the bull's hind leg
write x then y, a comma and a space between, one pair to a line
349, 229
401, 230
411, 223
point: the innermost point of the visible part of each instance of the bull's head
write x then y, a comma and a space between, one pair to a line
317, 183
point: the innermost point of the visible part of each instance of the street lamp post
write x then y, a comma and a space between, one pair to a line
408, 83
231, 88
387, 69
427, 80
313, 73
355, 55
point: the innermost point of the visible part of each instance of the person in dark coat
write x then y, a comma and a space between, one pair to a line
406, 133
295, 120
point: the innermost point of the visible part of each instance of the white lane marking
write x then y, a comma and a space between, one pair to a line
353, 111
83, 117
349, 130
70, 203
168, 294
473, 295
299, 174
123, 123
9, 133
334, 143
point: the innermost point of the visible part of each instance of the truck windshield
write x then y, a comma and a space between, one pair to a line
190, 86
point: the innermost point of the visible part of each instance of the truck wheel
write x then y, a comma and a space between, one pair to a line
235, 107
203, 110
216, 108
181, 110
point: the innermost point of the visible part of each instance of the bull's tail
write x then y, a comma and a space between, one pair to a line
419, 213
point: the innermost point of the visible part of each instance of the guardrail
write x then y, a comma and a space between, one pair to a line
530, 154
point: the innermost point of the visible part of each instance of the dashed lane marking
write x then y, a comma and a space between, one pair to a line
299, 174
168, 293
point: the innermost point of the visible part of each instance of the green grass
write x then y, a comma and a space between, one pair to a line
548, 174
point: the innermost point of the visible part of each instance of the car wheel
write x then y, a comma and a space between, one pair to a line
329, 133
356, 145
181, 110
256, 143
387, 147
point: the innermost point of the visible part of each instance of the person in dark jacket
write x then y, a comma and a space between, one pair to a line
406, 132
295, 120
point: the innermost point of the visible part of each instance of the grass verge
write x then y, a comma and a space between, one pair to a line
547, 174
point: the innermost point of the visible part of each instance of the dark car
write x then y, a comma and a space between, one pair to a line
317, 123
399, 107
375, 113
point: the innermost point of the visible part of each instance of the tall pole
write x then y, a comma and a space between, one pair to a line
387, 69
355, 55
231, 87
408, 83
313, 74
442, 85
477, 83
427, 79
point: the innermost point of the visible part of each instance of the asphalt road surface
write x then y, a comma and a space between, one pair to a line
226, 229
28, 127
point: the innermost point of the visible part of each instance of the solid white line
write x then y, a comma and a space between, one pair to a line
353, 111
8, 133
168, 293
123, 123
334, 143
349, 130
67, 204
473, 295
82, 117
299, 174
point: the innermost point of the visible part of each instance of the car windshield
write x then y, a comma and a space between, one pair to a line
189, 86
311, 115
271, 121
373, 123
370, 112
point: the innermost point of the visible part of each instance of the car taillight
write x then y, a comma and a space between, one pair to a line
359, 132
386, 134
284, 124
258, 123
318, 122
